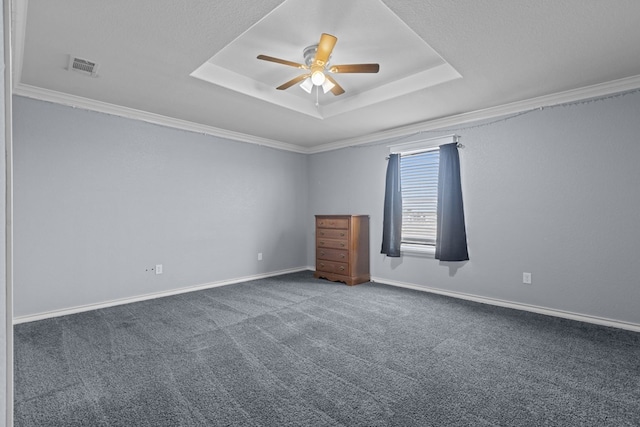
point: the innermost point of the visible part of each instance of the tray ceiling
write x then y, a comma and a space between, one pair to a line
193, 64
373, 34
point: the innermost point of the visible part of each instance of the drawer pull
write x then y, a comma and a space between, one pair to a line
322, 264
321, 253
341, 268
341, 234
322, 233
342, 256
342, 244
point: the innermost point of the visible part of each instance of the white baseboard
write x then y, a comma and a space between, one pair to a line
517, 306
491, 301
106, 304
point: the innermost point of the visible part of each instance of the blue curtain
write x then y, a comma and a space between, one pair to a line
451, 239
392, 221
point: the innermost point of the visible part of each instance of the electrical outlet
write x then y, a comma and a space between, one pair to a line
259, 256
158, 268
526, 278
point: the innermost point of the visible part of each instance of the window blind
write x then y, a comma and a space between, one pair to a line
419, 180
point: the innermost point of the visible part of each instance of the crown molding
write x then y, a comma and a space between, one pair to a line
74, 101
594, 91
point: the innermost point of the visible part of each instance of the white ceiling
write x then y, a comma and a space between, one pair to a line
441, 62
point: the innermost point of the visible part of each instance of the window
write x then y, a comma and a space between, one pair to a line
419, 178
419, 168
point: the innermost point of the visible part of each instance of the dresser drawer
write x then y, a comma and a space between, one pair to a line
336, 244
332, 267
332, 234
333, 223
332, 254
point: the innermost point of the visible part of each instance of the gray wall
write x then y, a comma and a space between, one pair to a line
99, 199
553, 192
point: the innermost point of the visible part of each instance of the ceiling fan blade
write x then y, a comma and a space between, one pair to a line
291, 82
336, 89
282, 61
355, 68
325, 47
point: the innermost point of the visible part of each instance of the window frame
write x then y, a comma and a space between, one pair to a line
416, 147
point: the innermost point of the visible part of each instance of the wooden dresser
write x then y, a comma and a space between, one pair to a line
342, 248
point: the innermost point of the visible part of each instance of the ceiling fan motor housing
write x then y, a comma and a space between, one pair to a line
309, 54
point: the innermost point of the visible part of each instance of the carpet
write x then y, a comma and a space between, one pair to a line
296, 351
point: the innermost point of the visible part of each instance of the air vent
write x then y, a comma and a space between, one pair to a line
83, 66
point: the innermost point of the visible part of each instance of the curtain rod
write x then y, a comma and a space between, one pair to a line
453, 137
397, 148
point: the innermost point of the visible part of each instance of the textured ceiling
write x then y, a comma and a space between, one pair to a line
509, 55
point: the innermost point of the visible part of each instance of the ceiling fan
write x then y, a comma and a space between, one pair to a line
318, 68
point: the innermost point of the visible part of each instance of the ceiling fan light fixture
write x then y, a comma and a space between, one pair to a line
327, 85
318, 78
307, 85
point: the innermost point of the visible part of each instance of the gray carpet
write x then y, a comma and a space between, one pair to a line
296, 351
